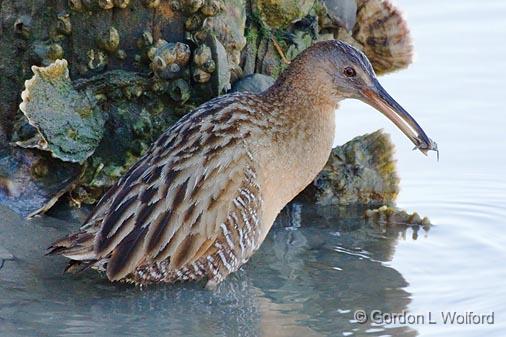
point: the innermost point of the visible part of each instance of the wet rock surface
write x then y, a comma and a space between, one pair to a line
255, 83
342, 12
361, 171
31, 182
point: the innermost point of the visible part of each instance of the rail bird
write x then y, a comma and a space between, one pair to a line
202, 199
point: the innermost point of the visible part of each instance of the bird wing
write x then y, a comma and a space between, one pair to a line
172, 202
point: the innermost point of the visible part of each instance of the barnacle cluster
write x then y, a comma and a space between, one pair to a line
63, 24
109, 40
169, 60
151, 3
96, 5
47, 52
203, 64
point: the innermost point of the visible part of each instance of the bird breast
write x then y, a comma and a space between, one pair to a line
295, 156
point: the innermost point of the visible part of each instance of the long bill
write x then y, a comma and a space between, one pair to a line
383, 102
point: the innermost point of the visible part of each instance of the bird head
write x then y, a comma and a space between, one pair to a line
353, 77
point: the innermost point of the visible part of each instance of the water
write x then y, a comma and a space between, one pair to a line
309, 280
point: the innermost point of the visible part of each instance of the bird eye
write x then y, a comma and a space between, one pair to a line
350, 72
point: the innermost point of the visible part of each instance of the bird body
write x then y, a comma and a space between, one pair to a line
202, 199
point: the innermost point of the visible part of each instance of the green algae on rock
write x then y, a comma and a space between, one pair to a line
281, 13
69, 124
361, 171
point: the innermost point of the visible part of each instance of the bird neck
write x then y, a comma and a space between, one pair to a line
305, 86
300, 111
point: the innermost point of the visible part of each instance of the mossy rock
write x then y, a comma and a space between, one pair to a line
281, 13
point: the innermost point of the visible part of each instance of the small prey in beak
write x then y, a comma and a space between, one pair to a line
383, 102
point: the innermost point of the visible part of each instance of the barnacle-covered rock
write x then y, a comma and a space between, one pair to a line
281, 13
179, 91
228, 26
386, 215
97, 60
210, 68
145, 41
193, 22
269, 61
168, 60
361, 171
200, 76
202, 55
109, 40
121, 3
93, 5
23, 26
63, 24
151, 3
106, 4
69, 124
212, 7
31, 182
76, 5
47, 53
121, 54
203, 64
136, 116
384, 35
190, 6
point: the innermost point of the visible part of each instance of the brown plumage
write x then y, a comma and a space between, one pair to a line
202, 199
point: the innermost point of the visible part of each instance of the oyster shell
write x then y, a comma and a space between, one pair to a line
69, 124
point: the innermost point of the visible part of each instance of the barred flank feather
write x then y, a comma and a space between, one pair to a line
175, 211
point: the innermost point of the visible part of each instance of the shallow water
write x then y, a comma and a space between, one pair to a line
309, 278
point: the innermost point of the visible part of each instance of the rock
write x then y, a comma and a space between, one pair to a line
5, 255
31, 182
229, 27
393, 216
255, 83
169, 60
281, 13
211, 69
69, 124
301, 41
342, 12
361, 171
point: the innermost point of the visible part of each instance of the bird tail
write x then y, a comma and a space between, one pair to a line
384, 35
78, 247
